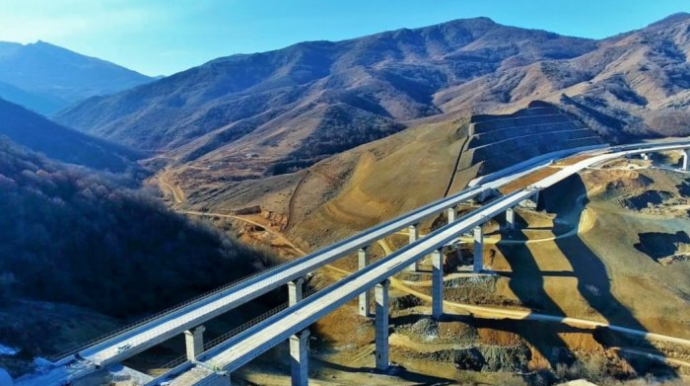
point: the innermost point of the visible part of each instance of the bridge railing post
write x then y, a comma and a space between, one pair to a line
478, 249
437, 283
381, 325
413, 231
364, 297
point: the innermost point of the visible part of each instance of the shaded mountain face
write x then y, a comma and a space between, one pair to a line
289, 108
42, 135
76, 236
34, 101
54, 77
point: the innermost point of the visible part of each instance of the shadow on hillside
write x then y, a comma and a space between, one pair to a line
593, 280
527, 283
395, 370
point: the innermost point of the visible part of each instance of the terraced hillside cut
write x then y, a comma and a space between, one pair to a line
499, 141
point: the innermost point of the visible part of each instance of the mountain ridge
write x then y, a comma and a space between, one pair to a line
41, 135
273, 104
46, 70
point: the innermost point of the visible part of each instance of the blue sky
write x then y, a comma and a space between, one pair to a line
166, 36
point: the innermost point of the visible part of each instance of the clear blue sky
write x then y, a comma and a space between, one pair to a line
166, 36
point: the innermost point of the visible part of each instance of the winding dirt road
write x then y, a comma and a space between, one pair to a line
177, 193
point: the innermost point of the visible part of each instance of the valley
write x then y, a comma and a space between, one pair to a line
465, 203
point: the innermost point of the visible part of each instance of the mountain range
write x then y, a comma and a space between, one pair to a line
39, 134
46, 78
286, 109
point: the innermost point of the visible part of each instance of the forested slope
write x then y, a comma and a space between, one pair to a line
73, 235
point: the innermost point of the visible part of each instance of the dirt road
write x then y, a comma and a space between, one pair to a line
268, 229
490, 312
163, 180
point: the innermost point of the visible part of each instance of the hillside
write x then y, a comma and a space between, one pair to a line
42, 135
276, 111
361, 187
46, 78
34, 101
73, 236
634, 84
559, 261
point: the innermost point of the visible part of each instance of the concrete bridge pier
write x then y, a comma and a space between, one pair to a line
645, 156
299, 343
450, 213
437, 283
535, 198
478, 248
510, 218
364, 297
194, 340
381, 324
295, 291
531, 202
299, 358
223, 379
413, 231
685, 163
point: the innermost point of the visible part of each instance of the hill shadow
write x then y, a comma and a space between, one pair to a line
594, 284
527, 283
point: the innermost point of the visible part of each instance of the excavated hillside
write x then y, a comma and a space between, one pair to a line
499, 141
360, 188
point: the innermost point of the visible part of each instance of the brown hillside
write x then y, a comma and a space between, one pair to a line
361, 187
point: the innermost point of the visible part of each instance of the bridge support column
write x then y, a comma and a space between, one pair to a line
478, 249
450, 213
535, 198
510, 218
437, 283
194, 340
413, 231
381, 294
531, 202
295, 288
222, 379
363, 258
685, 163
299, 358
645, 156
